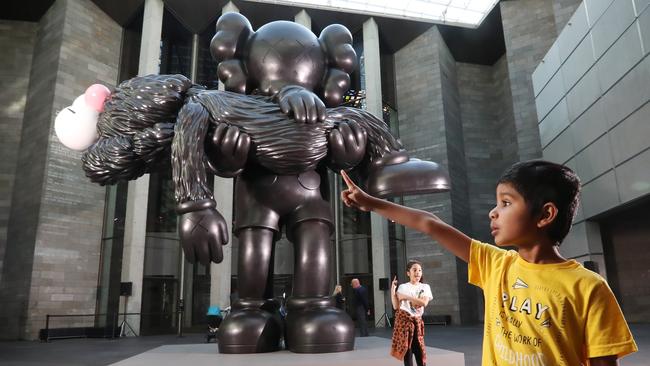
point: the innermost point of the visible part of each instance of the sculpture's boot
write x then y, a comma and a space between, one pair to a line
395, 174
251, 327
314, 325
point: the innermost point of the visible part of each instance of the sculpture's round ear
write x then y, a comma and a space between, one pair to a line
338, 46
231, 73
233, 31
341, 61
336, 84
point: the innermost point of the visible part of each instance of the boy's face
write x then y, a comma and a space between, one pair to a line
510, 221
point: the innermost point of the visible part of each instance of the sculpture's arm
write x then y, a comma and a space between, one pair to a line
227, 151
347, 145
303, 104
202, 228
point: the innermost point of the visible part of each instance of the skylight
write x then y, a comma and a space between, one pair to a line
464, 13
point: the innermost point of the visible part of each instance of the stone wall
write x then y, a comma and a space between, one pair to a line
423, 132
529, 31
17, 41
55, 224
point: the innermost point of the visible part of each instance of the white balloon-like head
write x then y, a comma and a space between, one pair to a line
76, 125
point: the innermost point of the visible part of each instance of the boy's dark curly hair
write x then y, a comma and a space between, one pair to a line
540, 182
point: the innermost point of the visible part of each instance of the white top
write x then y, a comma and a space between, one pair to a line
421, 290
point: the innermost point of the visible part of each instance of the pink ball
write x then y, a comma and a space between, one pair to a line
95, 96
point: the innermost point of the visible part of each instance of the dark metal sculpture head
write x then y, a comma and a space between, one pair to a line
283, 53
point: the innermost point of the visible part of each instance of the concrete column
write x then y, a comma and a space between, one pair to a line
223, 187
372, 67
151, 33
527, 39
137, 199
134, 244
220, 273
230, 7
379, 225
303, 18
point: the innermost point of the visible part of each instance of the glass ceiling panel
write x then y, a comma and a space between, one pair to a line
464, 13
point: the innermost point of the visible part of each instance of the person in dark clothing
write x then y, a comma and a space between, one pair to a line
338, 297
361, 305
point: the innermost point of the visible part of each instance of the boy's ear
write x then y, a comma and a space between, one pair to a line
547, 215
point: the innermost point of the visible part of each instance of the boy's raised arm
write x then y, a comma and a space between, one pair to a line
425, 222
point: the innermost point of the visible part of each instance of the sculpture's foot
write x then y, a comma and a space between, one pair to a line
397, 175
315, 326
249, 329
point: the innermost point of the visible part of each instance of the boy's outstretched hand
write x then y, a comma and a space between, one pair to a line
354, 196
422, 221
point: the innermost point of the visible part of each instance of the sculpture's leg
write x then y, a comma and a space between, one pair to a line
249, 328
314, 324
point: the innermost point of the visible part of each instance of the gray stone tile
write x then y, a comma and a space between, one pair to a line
561, 149
595, 9
578, 63
600, 195
546, 69
573, 32
549, 96
554, 123
628, 94
583, 94
589, 126
634, 177
563, 10
611, 25
631, 136
619, 58
575, 244
640, 6
595, 159
644, 29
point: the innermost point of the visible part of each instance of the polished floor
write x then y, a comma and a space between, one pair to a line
368, 351
73, 352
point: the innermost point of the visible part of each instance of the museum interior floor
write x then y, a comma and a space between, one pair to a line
73, 352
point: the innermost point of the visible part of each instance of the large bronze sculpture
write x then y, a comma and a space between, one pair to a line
272, 132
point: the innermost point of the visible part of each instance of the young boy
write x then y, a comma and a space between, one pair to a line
540, 308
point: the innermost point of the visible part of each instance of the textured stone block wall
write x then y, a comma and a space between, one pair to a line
529, 31
483, 141
27, 192
55, 227
505, 113
456, 151
423, 132
17, 41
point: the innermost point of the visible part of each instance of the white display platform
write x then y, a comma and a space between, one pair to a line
371, 351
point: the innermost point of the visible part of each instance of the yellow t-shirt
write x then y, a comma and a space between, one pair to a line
545, 314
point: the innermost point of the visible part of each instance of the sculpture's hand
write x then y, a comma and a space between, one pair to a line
227, 150
203, 232
347, 145
305, 106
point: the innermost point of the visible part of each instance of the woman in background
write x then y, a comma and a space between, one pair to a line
338, 296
